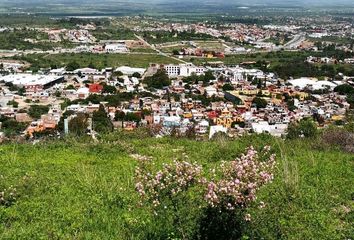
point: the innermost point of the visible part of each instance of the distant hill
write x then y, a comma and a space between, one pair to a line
158, 5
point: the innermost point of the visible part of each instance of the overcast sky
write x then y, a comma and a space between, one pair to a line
241, 2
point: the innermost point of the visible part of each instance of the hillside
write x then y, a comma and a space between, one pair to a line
74, 189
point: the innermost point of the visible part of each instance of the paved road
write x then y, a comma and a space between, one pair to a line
295, 42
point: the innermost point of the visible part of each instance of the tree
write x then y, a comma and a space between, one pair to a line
13, 103
70, 87
344, 89
159, 80
72, 66
36, 111
109, 89
91, 65
11, 127
136, 75
227, 87
175, 52
132, 117
118, 74
120, 116
305, 128
259, 102
291, 105
101, 121
208, 76
21, 91
78, 125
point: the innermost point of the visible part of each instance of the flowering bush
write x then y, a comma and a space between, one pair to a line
239, 180
220, 202
171, 180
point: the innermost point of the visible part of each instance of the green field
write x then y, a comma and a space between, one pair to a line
97, 60
72, 189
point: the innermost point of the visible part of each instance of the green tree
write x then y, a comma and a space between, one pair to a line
109, 89
344, 89
159, 80
101, 121
132, 117
78, 125
305, 128
136, 75
36, 111
72, 66
227, 87
120, 116
260, 102
13, 103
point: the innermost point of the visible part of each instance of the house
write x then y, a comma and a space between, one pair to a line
210, 91
83, 93
95, 88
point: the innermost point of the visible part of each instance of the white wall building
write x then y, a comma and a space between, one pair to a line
183, 70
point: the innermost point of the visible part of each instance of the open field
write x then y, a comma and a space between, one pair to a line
98, 60
210, 45
76, 190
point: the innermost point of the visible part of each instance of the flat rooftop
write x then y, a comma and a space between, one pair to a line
29, 79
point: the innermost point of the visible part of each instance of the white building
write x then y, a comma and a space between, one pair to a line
32, 82
130, 71
183, 70
312, 83
116, 48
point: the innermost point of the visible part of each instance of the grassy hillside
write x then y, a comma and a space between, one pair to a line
72, 189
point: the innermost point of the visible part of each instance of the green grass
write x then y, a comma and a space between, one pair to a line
98, 60
85, 190
142, 50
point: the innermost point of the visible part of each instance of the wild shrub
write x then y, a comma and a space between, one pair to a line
339, 137
227, 190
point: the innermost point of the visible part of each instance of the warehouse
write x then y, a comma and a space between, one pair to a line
32, 83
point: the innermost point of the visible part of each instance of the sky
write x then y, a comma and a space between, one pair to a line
237, 2
147, 6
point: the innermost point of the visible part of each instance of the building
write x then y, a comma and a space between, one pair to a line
130, 71
116, 48
33, 83
183, 70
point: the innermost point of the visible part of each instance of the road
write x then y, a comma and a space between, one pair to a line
295, 42
157, 50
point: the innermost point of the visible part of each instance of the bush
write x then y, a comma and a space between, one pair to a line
218, 202
36, 111
305, 128
339, 137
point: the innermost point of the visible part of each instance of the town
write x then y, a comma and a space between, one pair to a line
198, 87
189, 119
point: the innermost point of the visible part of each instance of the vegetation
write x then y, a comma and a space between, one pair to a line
101, 122
11, 127
259, 102
98, 60
77, 189
36, 111
174, 36
305, 128
159, 80
113, 34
